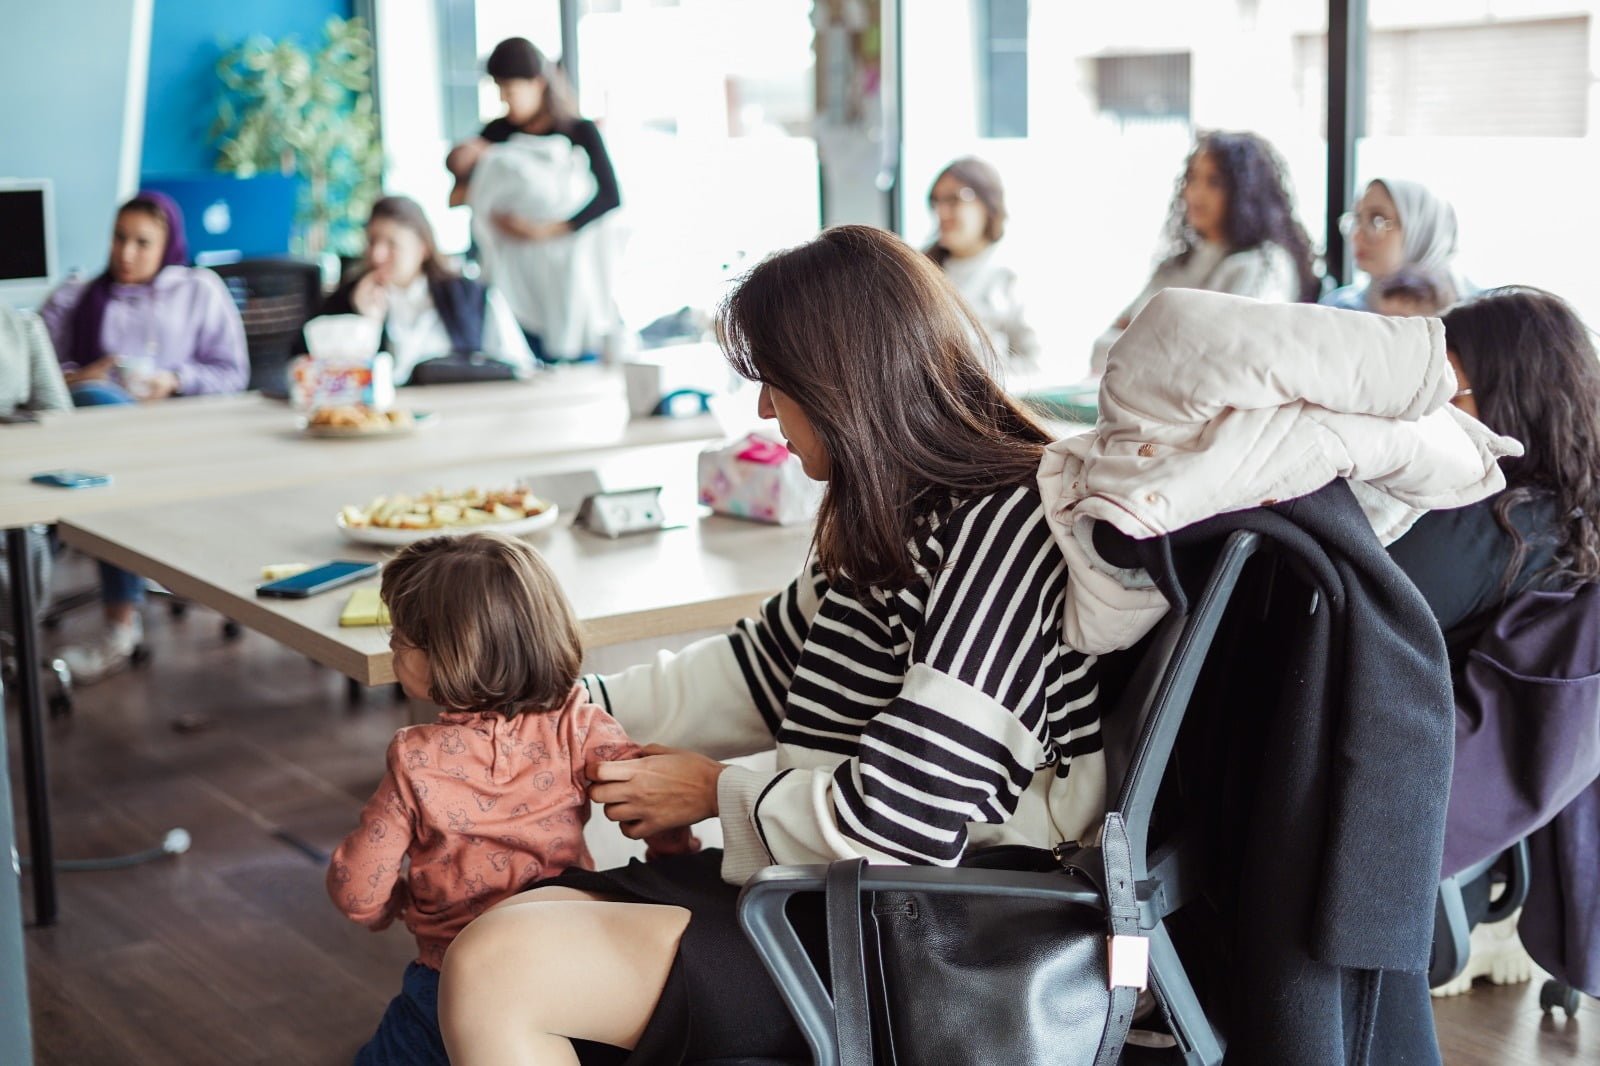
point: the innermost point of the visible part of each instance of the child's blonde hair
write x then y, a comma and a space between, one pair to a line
491, 618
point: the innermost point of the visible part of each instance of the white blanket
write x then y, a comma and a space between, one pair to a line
559, 288
1214, 403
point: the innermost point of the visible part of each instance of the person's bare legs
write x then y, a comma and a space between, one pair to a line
552, 965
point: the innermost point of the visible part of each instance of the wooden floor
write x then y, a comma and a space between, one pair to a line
233, 954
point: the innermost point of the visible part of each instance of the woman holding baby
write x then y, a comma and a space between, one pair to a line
537, 178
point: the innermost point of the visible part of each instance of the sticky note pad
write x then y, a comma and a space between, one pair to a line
364, 608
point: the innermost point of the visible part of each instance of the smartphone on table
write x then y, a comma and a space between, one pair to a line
71, 479
318, 579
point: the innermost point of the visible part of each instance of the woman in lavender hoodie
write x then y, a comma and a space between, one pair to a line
147, 328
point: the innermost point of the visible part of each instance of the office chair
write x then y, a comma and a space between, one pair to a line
1453, 924
1140, 736
276, 298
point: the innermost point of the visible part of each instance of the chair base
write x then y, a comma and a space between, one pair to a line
1497, 954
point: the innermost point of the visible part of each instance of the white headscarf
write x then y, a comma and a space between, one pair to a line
1427, 225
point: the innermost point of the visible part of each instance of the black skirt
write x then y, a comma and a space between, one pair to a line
719, 1002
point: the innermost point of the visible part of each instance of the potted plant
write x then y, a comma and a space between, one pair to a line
284, 109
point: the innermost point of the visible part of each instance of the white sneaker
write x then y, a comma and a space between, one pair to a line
1497, 954
101, 658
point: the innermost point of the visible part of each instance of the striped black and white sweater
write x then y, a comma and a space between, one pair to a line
908, 723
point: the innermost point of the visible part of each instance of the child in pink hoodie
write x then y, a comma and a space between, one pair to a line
493, 796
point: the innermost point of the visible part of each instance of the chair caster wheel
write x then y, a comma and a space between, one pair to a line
1554, 994
232, 630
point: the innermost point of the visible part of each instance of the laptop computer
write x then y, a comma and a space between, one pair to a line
228, 219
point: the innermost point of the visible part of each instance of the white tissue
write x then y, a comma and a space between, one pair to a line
343, 336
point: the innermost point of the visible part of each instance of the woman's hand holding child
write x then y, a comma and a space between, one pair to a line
664, 788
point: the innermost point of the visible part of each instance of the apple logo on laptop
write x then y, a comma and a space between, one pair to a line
217, 218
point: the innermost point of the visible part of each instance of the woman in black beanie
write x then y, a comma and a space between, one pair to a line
539, 103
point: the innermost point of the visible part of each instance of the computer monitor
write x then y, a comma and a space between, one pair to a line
28, 249
227, 219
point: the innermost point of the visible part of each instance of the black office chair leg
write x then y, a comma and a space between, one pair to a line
1451, 933
1199, 1043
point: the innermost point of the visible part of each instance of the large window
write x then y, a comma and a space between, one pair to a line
1490, 107
1003, 67
707, 108
1114, 95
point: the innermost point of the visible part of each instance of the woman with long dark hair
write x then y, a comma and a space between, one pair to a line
968, 202
428, 310
1231, 228
148, 328
913, 679
1527, 368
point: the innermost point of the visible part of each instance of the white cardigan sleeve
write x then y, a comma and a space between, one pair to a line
722, 696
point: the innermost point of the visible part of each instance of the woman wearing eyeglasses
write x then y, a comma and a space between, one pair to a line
1397, 225
1231, 229
969, 204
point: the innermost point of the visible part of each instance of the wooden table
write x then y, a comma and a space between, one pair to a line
198, 448
709, 573
205, 446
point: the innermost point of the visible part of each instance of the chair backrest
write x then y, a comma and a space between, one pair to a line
276, 297
1139, 736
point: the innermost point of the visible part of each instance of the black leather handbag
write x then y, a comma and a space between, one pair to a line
990, 975
460, 368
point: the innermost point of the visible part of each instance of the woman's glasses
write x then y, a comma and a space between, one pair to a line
1370, 223
964, 196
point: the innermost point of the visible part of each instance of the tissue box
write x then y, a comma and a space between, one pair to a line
342, 382
757, 478
345, 368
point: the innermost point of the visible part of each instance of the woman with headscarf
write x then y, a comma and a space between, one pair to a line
1397, 225
150, 326
147, 328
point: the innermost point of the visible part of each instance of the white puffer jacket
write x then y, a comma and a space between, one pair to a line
1214, 403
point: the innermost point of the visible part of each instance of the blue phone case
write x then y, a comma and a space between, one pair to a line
318, 579
71, 479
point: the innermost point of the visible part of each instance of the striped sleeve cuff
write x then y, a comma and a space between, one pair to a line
739, 792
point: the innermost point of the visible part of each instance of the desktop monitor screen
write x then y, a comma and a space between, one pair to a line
25, 221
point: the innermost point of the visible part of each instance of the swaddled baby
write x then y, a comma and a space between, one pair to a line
555, 286
536, 178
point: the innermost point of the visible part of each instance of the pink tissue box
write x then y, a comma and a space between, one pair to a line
757, 478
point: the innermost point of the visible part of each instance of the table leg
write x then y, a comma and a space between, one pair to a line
30, 693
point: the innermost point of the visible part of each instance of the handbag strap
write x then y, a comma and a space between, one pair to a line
1122, 914
847, 960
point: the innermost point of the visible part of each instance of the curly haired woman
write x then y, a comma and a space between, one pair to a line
1231, 229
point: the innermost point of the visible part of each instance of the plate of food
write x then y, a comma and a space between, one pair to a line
355, 420
393, 521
